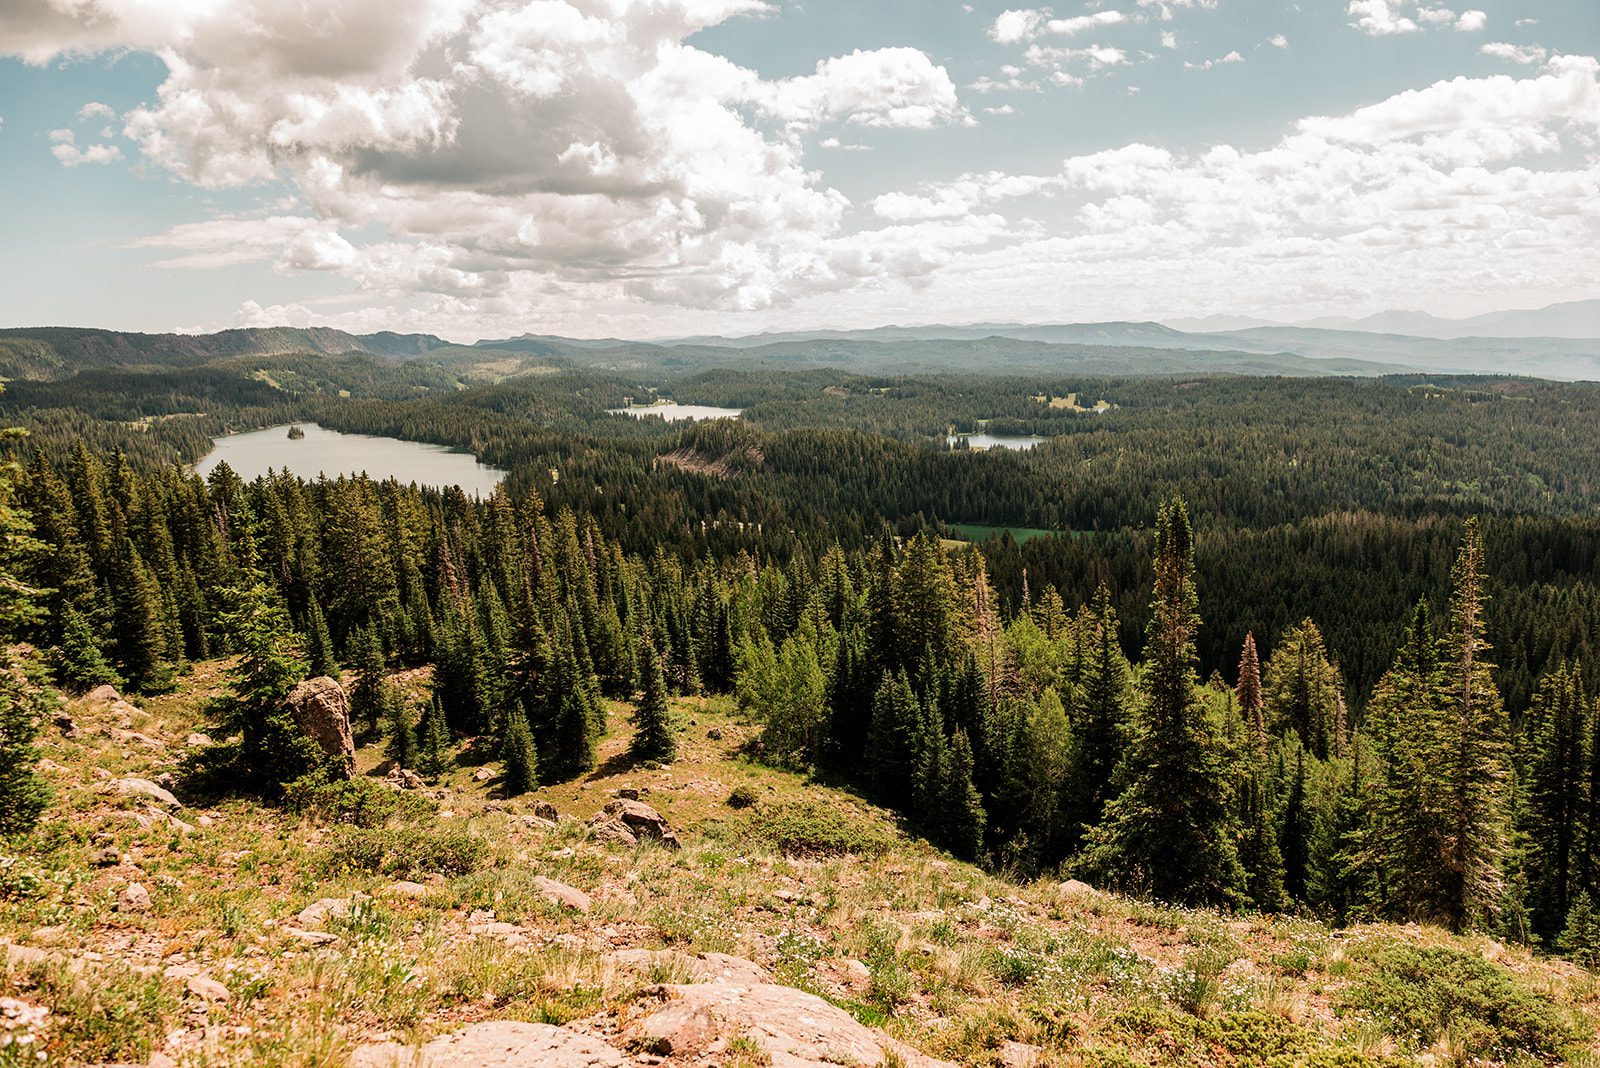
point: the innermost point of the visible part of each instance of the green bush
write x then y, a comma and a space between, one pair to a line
743, 796
358, 802
1423, 994
814, 829
403, 851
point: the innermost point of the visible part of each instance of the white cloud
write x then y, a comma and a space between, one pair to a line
1169, 39
1472, 21
94, 109
1026, 24
1278, 40
1012, 26
1231, 57
513, 154
1378, 19
1524, 54
64, 147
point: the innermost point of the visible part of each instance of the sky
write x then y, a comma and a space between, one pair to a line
652, 168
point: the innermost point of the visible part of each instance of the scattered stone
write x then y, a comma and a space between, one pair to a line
319, 912
404, 779
66, 725
105, 858
203, 986
714, 734
795, 1029
508, 933
643, 821
1019, 1054
133, 898
562, 853
495, 1045
195, 740
483, 775
723, 968
629, 793
322, 711
315, 938
145, 788
1074, 888
545, 810
206, 821
406, 888
138, 739
561, 894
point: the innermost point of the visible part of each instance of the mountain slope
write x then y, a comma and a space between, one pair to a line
362, 918
54, 352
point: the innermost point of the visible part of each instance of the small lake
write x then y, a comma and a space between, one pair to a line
674, 412
998, 441
331, 453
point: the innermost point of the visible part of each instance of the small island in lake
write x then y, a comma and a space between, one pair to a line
296, 434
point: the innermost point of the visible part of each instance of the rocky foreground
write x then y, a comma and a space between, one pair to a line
712, 912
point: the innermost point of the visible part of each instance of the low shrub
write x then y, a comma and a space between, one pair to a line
743, 796
814, 829
357, 802
404, 851
1421, 995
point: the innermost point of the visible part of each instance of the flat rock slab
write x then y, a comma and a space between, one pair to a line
794, 1028
495, 1045
561, 894
703, 968
144, 788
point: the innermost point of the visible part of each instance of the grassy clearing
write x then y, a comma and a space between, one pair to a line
823, 891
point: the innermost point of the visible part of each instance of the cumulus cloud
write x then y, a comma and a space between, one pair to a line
1426, 191
1278, 40
1472, 21
1379, 19
64, 147
1524, 54
95, 110
513, 154
1012, 26
1231, 57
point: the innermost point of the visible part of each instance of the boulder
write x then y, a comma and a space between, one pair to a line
793, 1028
495, 1045
133, 898
404, 779
319, 912
1075, 888
545, 811
406, 888
311, 938
104, 694
145, 788
642, 820
322, 711
561, 894
612, 832
66, 725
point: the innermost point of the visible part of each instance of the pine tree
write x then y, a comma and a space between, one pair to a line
1249, 694
962, 819
1580, 935
1300, 691
1173, 830
367, 694
654, 737
272, 749
521, 762
1294, 835
319, 645
79, 664
433, 741
139, 628
1555, 795
891, 739
1474, 760
1100, 711
400, 740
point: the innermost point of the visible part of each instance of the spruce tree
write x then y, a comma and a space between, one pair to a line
962, 819
1556, 795
654, 737
1300, 691
79, 664
433, 741
1294, 835
400, 739
1173, 830
1100, 714
520, 760
272, 749
1249, 694
367, 694
319, 645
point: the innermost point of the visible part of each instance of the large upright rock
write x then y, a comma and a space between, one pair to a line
322, 710
640, 819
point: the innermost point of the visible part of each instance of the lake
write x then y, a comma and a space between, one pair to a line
332, 453
998, 441
674, 412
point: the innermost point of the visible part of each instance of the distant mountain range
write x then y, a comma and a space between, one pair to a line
1574, 319
1392, 342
